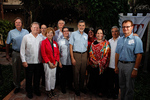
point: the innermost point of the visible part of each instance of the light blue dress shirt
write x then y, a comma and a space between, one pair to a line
128, 47
15, 37
79, 41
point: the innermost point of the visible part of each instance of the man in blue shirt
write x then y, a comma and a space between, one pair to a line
15, 37
127, 60
78, 52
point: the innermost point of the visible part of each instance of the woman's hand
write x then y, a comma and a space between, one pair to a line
56, 64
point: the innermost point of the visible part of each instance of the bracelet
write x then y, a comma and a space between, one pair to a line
135, 68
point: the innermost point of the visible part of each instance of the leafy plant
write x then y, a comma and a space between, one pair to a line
5, 27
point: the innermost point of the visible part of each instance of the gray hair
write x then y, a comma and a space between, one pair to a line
61, 20
35, 23
115, 27
81, 21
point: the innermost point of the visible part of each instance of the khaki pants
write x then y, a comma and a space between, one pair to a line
16, 67
79, 70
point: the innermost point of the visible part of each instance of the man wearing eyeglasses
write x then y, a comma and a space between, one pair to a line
127, 59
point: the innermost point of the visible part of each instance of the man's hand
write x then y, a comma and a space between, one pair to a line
73, 62
7, 57
116, 70
25, 64
134, 73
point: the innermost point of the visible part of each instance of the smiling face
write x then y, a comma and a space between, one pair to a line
18, 23
50, 35
61, 24
35, 29
90, 34
43, 28
99, 35
127, 28
81, 27
65, 32
115, 33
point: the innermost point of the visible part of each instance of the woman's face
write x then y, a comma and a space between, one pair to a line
90, 34
49, 35
99, 34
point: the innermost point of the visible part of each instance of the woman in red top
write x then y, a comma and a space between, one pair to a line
50, 55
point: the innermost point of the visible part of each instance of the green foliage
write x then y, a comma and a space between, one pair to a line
98, 13
7, 85
5, 27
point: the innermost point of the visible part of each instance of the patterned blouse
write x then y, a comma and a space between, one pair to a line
100, 52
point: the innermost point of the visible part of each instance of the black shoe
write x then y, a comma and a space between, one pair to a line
115, 96
83, 91
38, 93
30, 95
77, 93
63, 91
17, 90
53, 93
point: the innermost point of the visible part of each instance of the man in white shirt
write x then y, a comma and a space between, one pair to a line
113, 87
31, 59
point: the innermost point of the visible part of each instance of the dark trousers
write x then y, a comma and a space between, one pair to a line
42, 75
113, 80
66, 76
32, 73
98, 83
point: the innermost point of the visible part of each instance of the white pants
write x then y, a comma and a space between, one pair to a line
50, 77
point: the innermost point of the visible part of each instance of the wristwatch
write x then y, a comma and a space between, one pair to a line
135, 68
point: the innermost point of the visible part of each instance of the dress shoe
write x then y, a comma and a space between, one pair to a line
17, 90
30, 95
63, 91
53, 93
77, 93
83, 91
38, 93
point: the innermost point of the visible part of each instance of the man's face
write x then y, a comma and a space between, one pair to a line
127, 28
61, 24
18, 23
43, 29
65, 32
115, 33
35, 28
81, 27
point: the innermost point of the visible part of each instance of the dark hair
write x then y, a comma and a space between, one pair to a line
18, 18
81, 21
125, 21
99, 29
91, 29
65, 27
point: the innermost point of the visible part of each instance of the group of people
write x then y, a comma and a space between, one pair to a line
110, 64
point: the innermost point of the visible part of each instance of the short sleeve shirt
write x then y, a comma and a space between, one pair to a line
79, 41
128, 47
15, 37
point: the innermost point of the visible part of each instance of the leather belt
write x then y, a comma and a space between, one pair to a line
125, 62
16, 51
79, 52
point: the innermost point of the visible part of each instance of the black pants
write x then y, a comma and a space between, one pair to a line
113, 82
32, 73
42, 75
97, 83
66, 76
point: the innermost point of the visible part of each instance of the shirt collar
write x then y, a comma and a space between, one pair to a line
130, 36
79, 32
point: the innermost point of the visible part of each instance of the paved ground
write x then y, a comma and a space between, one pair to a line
70, 95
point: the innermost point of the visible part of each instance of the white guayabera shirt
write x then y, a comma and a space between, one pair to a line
30, 50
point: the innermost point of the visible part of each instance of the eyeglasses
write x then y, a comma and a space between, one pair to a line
126, 26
